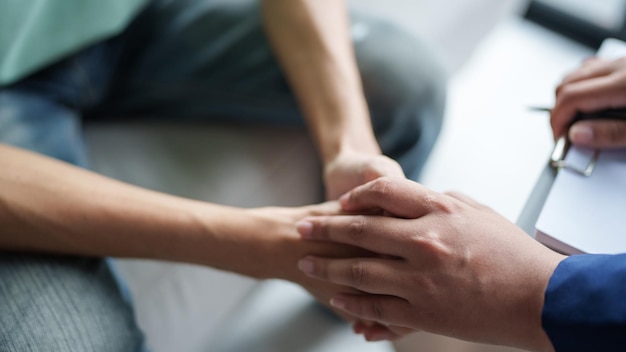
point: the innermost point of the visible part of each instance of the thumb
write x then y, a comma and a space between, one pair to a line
599, 134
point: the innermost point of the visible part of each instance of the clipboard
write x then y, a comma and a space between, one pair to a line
586, 213
579, 203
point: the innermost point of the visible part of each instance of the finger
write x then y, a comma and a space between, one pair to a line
587, 96
379, 234
371, 275
387, 310
599, 134
380, 332
326, 208
591, 68
400, 197
401, 331
359, 327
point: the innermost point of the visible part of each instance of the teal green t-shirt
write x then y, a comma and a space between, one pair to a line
34, 33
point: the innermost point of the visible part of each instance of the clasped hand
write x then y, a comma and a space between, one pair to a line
446, 264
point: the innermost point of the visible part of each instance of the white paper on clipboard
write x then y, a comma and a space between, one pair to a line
588, 214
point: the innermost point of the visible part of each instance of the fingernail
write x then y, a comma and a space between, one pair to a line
338, 303
306, 265
581, 134
305, 229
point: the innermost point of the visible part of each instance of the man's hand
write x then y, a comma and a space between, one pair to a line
351, 169
597, 85
449, 265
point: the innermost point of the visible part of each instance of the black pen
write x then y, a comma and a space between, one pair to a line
539, 109
609, 114
557, 159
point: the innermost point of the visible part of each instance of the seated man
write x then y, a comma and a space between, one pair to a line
366, 106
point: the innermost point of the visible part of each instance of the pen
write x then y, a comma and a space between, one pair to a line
557, 159
539, 109
611, 114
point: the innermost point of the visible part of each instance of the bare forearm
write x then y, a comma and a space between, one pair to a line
50, 206
311, 39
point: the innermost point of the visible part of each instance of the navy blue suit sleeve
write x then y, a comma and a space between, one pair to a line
585, 304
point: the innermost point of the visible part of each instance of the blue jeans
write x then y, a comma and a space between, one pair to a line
192, 61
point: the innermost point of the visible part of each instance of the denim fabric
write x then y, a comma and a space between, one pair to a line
55, 303
192, 61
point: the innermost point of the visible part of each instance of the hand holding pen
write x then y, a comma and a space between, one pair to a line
590, 105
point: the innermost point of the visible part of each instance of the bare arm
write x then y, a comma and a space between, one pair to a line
53, 207
311, 39
50, 206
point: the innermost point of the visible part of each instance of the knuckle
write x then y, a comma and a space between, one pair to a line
357, 274
376, 310
434, 245
356, 228
382, 186
440, 203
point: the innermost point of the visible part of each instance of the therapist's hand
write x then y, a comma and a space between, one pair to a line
449, 265
597, 84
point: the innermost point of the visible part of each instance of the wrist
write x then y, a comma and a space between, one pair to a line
270, 249
347, 144
343, 128
227, 238
535, 335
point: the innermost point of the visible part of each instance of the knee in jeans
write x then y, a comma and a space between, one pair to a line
404, 81
398, 70
64, 305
